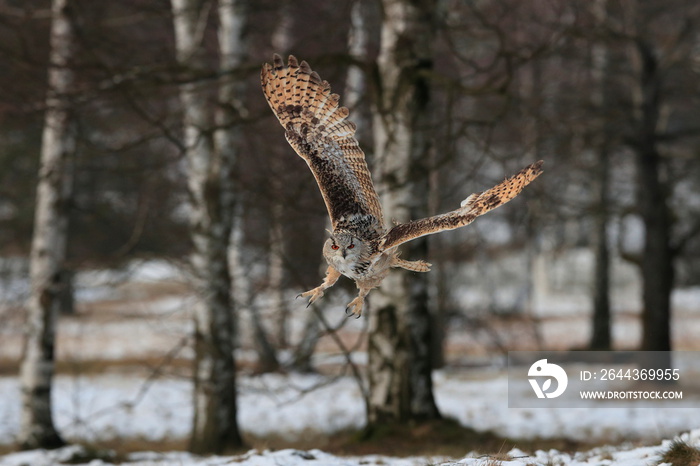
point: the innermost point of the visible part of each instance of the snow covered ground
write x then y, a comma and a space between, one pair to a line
644, 456
295, 406
109, 406
124, 403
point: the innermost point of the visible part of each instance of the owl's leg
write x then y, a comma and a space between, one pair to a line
354, 308
332, 276
414, 266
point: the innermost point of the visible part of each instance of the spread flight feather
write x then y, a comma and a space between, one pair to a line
316, 126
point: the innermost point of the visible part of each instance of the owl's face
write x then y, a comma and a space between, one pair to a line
345, 252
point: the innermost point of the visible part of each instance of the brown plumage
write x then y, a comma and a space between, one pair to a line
317, 129
359, 247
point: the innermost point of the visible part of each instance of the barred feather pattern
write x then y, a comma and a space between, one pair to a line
472, 207
316, 126
359, 247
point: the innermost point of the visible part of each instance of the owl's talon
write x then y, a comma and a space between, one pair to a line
314, 294
354, 308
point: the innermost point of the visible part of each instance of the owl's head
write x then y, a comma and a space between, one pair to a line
343, 250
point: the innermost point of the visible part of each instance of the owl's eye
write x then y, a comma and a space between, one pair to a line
334, 246
351, 246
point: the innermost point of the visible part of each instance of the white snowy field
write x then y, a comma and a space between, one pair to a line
125, 322
602, 456
109, 406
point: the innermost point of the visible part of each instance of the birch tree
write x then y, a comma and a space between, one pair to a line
215, 426
399, 370
48, 250
281, 40
355, 82
233, 45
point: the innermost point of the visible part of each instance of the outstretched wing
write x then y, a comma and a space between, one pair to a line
317, 129
473, 206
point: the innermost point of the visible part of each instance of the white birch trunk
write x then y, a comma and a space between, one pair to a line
232, 51
281, 41
282, 35
49, 239
399, 343
232, 14
215, 426
233, 46
356, 82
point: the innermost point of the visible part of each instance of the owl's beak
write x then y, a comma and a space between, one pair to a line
345, 251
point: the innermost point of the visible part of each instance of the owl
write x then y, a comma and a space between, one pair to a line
360, 246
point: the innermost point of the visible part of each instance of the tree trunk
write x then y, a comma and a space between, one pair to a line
275, 270
356, 80
304, 351
281, 42
243, 299
657, 259
67, 297
230, 110
215, 426
601, 338
233, 17
49, 239
439, 278
400, 380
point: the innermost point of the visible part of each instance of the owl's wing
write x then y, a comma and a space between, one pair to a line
317, 128
475, 205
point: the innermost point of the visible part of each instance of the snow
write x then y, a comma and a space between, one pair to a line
286, 457
293, 406
109, 406
95, 407
291, 457
482, 405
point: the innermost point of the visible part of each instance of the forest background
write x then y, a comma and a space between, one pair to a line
136, 130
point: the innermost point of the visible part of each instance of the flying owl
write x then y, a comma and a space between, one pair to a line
360, 246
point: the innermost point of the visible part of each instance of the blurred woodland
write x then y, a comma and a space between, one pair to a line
168, 151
